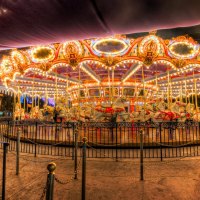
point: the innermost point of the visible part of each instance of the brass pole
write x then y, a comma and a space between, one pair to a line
185, 89
32, 97
67, 90
39, 100
109, 84
156, 87
113, 83
168, 88
79, 89
143, 87
195, 82
14, 104
56, 85
24, 102
46, 95
135, 94
192, 93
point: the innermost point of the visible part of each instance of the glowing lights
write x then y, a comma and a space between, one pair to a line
42, 54
73, 51
183, 50
110, 46
146, 41
17, 58
6, 66
51, 67
131, 72
72, 47
176, 72
91, 74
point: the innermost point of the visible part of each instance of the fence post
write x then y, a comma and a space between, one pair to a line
5, 148
160, 131
50, 180
36, 139
84, 168
76, 150
18, 150
141, 156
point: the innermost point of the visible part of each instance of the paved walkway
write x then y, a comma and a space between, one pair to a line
106, 179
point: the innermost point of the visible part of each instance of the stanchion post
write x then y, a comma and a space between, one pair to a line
76, 151
84, 169
18, 150
50, 180
36, 125
160, 132
141, 156
5, 148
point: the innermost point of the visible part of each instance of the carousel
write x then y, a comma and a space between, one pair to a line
119, 79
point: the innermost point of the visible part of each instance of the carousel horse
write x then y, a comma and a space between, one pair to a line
86, 113
145, 113
36, 113
179, 108
47, 112
196, 116
165, 115
160, 105
162, 113
125, 117
190, 107
62, 112
105, 112
74, 113
19, 112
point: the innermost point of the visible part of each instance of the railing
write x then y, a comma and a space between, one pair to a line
105, 139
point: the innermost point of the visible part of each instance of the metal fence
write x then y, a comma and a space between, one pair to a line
105, 139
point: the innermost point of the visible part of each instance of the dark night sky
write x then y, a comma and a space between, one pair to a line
33, 22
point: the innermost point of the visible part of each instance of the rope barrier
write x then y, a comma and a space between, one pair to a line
95, 150
173, 146
71, 178
25, 157
28, 185
175, 160
44, 191
36, 143
106, 145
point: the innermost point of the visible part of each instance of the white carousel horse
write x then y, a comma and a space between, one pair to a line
179, 108
190, 108
160, 105
145, 113
105, 112
86, 113
165, 115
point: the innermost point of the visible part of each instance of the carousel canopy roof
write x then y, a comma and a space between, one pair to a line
29, 23
121, 62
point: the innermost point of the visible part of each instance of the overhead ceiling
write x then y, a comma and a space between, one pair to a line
34, 22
